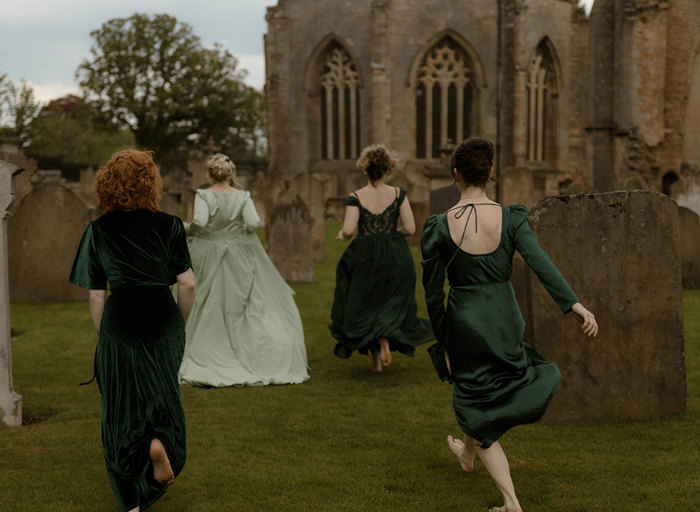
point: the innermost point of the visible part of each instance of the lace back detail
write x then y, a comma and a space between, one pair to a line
379, 223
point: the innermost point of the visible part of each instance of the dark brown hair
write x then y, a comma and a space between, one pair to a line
376, 161
130, 181
473, 160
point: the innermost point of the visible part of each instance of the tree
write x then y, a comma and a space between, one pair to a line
152, 75
18, 108
68, 134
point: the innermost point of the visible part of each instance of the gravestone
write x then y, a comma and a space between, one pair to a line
10, 402
690, 247
43, 235
443, 198
289, 240
620, 252
420, 214
335, 208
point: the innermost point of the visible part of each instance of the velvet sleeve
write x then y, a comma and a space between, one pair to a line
179, 253
526, 244
87, 270
434, 279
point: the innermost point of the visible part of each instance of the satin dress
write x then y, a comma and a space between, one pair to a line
245, 328
375, 287
142, 337
499, 381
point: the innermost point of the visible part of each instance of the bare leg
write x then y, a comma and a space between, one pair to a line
384, 351
137, 509
464, 452
162, 471
375, 358
496, 464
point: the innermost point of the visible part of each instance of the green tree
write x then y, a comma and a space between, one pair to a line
18, 108
153, 76
68, 134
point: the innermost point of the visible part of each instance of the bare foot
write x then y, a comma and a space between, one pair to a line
137, 509
464, 453
162, 471
377, 368
505, 509
384, 352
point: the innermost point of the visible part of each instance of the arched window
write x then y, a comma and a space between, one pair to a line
444, 98
340, 99
541, 106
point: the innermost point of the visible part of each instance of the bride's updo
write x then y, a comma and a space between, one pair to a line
220, 167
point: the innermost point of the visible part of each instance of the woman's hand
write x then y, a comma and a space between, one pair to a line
340, 235
589, 326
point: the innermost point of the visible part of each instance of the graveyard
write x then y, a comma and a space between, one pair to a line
346, 440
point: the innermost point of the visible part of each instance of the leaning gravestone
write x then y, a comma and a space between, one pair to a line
43, 235
620, 251
690, 247
289, 240
10, 402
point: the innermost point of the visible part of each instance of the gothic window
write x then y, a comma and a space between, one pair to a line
340, 99
541, 106
444, 98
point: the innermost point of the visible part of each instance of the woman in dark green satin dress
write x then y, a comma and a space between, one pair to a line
499, 381
138, 252
374, 307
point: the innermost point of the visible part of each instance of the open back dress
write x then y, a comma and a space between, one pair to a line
140, 346
499, 381
376, 286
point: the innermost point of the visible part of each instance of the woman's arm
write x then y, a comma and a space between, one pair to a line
185, 293
97, 306
352, 216
408, 223
250, 215
434, 280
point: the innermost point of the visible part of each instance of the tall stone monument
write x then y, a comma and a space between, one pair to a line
10, 402
620, 251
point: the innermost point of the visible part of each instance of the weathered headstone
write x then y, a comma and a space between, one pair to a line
443, 198
43, 235
335, 208
420, 214
690, 247
10, 402
620, 251
289, 240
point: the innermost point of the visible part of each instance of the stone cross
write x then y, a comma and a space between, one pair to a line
10, 402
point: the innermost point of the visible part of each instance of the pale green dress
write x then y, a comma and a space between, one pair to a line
244, 329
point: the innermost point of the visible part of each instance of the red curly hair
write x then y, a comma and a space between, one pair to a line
130, 181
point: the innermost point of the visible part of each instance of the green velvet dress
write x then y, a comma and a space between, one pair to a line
375, 287
499, 381
141, 343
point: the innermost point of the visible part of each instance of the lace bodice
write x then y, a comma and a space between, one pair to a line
377, 223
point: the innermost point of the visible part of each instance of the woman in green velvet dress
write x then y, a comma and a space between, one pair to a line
499, 381
138, 252
374, 307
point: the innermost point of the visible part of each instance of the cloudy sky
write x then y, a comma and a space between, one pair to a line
44, 41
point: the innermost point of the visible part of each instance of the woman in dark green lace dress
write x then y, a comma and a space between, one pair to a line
374, 308
138, 252
499, 381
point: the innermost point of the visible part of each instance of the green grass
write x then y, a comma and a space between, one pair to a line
347, 440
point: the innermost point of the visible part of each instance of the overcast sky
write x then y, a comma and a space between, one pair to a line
44, 41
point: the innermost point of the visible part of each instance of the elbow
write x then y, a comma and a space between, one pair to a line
410, 230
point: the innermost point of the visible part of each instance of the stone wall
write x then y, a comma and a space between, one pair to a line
620, 252
289, 240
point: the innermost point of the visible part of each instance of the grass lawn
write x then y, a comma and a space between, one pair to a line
347, 440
